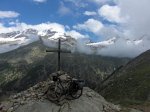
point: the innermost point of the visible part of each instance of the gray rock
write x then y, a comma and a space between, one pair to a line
33, 100
90, 101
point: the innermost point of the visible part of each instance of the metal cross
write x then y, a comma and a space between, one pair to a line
58, 51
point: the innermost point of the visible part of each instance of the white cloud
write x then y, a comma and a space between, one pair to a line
135, 26
40, 1
4, 29
78, 3
111, 13
13, 22
43, 26
63, 10
132, 16
138, 23
122, 48
91, 25
90, 13
8, 14
76, 35
99, 2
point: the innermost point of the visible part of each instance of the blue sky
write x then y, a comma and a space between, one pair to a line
99, 19
63, 12
34, 13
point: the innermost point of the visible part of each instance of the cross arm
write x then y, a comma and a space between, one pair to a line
51, 50
61, 51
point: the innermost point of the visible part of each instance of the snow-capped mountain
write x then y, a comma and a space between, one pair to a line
16, 39
121, 47
49, 37
113, 40
103, 44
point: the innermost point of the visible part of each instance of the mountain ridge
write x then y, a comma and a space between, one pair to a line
75, 43
31, 62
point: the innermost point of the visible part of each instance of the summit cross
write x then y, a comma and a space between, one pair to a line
59, 51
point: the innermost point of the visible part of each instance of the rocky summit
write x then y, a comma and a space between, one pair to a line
34, 100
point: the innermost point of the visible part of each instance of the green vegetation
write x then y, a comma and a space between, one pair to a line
131, 85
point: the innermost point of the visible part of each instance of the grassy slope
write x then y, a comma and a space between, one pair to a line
132, 83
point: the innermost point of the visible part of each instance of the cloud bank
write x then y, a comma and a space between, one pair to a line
126, 19
124, 48
138, 23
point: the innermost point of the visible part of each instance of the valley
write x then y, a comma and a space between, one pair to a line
30, 64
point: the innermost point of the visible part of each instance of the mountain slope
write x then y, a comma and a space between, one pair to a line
131, 82
27, 65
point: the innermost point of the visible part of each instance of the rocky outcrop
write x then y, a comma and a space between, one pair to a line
88, 102
34, 100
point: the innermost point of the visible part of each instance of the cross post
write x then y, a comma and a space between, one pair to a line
59, 51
